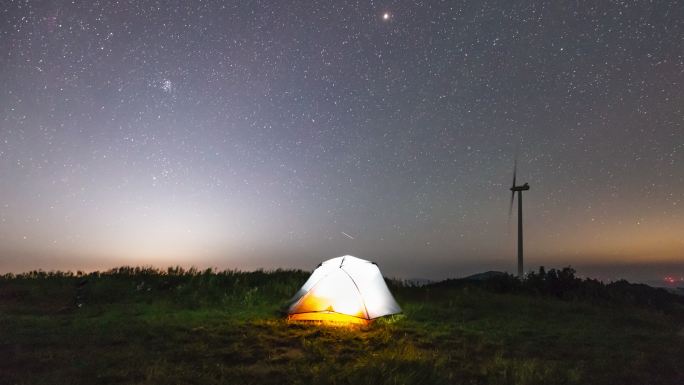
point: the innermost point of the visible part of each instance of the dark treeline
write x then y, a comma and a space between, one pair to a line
139, 271
186, 287
564, 284
197, 287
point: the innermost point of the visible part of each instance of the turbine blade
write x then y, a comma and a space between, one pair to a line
510, 214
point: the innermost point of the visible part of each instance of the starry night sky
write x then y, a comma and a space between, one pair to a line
270, 133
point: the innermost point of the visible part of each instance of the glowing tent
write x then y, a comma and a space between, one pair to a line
344, 289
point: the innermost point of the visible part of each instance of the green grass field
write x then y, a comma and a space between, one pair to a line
144, 327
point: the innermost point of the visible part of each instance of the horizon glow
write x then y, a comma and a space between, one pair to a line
278, 135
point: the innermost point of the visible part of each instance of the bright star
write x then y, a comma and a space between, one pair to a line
385, 16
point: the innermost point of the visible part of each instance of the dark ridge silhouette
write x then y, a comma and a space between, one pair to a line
565, 285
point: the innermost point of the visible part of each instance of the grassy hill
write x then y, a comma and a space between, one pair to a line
143, 326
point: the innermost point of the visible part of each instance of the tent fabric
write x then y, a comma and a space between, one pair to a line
344, 288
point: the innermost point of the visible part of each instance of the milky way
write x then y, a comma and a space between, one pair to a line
279, 134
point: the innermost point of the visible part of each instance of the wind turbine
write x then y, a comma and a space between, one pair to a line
519, 190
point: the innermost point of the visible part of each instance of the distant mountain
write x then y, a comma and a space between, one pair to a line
484, 276
674, 290
672, 287
475, 277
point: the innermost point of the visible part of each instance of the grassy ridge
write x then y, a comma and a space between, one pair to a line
203, 327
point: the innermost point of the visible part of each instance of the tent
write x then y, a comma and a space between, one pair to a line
343, 289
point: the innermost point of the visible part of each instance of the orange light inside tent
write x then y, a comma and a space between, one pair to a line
339, 308
340, 304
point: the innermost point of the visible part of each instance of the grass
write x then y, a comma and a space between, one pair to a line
140, 326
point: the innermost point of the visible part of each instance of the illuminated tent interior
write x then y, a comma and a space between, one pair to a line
346, 290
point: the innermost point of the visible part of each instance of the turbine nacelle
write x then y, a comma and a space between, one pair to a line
524, 187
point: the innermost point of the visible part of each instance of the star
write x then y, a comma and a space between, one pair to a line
402, 131
167, 85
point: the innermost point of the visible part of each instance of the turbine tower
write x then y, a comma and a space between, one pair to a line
519, 190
